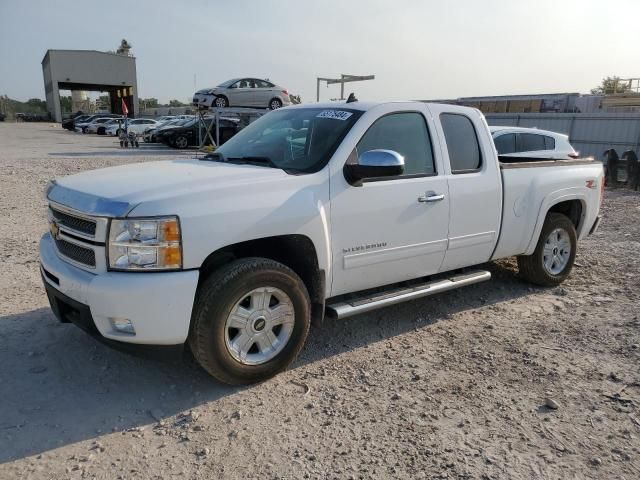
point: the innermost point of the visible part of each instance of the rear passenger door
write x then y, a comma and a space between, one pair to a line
475, 185
264, 93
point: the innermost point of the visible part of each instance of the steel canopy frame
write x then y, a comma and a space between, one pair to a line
342, 80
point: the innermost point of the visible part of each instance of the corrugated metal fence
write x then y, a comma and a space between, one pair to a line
589, 133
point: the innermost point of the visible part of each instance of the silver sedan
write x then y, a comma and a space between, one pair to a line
243, 92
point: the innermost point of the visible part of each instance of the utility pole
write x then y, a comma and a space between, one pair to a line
342, 80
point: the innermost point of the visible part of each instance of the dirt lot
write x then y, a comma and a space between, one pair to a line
448, 387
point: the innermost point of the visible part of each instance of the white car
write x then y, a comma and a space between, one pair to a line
136, 125
532, 143
95, 125
83, 127
336, 208
243, 92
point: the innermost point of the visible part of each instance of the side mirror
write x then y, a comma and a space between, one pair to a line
374, 164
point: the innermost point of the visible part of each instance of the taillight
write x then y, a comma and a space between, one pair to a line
601, 192
574, 155
285, 92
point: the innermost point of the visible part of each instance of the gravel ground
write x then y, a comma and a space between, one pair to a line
496, 381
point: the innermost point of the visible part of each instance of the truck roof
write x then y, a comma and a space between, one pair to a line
363, 106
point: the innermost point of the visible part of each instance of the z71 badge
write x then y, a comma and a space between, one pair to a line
362, 248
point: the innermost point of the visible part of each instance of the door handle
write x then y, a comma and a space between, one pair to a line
430, 197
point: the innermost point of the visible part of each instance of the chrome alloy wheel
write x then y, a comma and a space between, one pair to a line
259, 325
275, 104
220, 102
557, 251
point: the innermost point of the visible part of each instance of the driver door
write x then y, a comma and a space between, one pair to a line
386, 231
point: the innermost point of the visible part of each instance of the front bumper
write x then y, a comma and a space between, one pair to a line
157, 303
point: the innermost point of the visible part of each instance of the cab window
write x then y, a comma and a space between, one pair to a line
406, 134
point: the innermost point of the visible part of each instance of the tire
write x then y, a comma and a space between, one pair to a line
84, 129
181, 142
221, 102
558, 233
275, 103
227, 290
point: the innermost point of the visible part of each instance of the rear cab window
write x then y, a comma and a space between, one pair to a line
462, 143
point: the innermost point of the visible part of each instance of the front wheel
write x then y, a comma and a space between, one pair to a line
221, 102
552, 261
250, 320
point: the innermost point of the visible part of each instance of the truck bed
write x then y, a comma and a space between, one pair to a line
530, 188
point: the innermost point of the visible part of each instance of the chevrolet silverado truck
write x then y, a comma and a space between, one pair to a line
318, 209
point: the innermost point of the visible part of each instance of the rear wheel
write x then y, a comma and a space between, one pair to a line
250, 320
552, 261
181, 142
275, 103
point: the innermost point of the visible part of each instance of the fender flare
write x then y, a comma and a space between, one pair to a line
548, 202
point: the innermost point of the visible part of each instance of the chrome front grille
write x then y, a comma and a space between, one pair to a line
75, 223
79, 238
77, 253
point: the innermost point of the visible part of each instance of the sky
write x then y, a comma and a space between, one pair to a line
417, 49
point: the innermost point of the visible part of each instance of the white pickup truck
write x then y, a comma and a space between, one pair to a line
312, 209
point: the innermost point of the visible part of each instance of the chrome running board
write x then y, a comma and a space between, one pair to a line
355, 306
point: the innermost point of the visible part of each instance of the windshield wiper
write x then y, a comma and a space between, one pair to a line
262, 161
252, 160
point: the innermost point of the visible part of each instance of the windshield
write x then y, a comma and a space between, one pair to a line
228, 83
298, 139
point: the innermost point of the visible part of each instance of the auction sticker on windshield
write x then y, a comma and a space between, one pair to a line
335, 114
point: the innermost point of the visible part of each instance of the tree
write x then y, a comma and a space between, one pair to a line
65, 103
611, 85
176, 103
36, 104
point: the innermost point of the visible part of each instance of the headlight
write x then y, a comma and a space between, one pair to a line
145, 244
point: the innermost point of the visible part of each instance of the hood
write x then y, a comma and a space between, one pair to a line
115, 191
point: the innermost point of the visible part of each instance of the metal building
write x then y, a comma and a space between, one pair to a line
90, 70
538, 103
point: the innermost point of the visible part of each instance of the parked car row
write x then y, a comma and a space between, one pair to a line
190, 131
72, 123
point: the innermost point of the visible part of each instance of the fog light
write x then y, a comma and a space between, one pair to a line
122, 325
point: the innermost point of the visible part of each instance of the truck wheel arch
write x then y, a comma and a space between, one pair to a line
573, 205
295, 251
